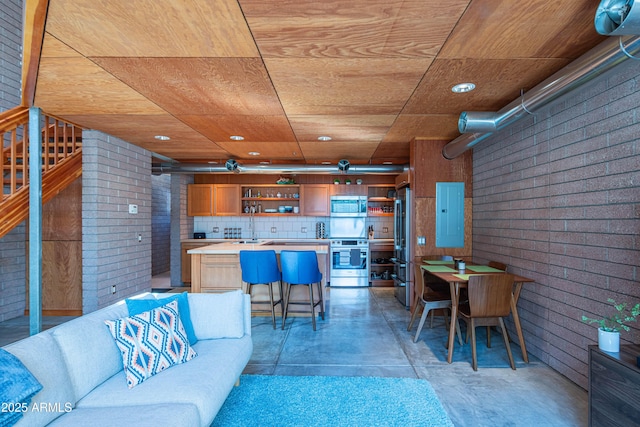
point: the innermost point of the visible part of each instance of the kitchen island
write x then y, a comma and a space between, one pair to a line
216, 268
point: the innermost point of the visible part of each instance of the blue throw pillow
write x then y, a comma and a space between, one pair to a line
137, 306
151, 342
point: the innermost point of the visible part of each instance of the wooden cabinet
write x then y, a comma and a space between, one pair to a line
267, 199
226, 200
380, 200
315, 199
213, 199
200, 200
614, 387
185, 260
380, 265
348, 190
216, 273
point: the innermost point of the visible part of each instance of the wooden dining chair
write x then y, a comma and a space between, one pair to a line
429, 300
489, 302
497, 264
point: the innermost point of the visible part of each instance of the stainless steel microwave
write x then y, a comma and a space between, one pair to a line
348, 206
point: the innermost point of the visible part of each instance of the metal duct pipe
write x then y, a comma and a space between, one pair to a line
189, 168
598, 60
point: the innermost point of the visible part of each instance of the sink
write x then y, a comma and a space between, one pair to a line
250, 242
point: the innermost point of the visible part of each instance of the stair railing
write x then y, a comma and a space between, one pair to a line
60, 140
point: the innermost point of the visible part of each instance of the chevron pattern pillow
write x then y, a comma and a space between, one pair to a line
151, 342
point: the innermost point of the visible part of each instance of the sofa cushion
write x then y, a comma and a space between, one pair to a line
151, 342
217, 315
137, 306
88, 348
205, 381
182, 414
42, 356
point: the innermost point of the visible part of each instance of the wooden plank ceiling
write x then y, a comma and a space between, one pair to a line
371, 74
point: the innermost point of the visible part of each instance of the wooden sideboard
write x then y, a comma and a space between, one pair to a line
614, 387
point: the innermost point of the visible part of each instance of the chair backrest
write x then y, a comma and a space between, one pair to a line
490, 295
300, 267
437, 257
259, 266
419, 278
498, 265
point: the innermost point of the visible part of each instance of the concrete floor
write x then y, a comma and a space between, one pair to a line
365, 333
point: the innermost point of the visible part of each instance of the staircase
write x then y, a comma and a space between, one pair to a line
61, 162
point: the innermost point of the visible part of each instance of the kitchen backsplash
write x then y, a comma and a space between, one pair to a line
286, 227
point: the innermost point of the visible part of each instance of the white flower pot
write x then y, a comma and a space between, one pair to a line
609, 341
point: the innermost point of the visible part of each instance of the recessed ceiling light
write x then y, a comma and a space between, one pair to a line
213, 163
254, 153
324, 138
236, 138
162, 137
387, 163
326, 163
265, 163
463, 87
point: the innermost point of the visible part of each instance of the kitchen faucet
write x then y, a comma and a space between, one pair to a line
252, 222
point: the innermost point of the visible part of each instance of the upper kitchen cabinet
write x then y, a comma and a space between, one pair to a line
226, 200
344, 189
315, 199
213, 199
200, 200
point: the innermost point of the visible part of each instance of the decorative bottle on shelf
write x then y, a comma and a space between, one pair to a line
246, 207
259, 207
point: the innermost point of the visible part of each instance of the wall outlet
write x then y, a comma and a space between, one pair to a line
422, 241
139, 237
113, 289
133, 209
304, 229
385, 229
216, 229
274, 230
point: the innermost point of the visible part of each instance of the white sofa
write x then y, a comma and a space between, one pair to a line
81, 370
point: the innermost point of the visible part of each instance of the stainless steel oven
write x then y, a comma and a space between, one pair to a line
349, 262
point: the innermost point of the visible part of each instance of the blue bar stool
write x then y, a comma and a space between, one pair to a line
301, 268
261, 268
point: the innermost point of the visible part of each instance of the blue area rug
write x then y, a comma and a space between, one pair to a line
265, 400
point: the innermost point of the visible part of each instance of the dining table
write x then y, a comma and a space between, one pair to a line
459, 279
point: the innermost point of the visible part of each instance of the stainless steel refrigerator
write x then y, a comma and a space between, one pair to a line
402, 246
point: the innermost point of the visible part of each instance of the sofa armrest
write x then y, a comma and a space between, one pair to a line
247, 314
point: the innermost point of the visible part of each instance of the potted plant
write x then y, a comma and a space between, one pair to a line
609, 327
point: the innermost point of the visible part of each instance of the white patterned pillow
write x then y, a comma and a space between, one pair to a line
151, 342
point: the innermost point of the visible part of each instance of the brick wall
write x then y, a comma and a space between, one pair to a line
181, 224
10, 53
557, 198
160, 223
12, 246
115, 174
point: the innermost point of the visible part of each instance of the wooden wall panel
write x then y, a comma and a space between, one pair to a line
62, 215
430, 166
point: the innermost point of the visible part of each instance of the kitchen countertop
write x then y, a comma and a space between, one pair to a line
263, 244
318, 241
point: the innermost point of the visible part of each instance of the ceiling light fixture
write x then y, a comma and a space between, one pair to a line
324, 138
326, 163
463, 87
213, 162
236, 138
162, 137
387, 163
254, 153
